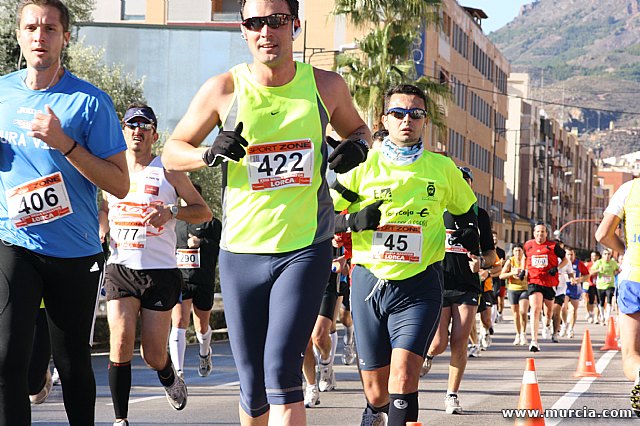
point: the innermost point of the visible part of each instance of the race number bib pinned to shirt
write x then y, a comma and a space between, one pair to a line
188, 258
129, 234
539, 261
38, 201
397, 243
280, 165
453, 248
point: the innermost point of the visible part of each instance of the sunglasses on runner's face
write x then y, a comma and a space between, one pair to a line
143, 126
401, 113
273, 21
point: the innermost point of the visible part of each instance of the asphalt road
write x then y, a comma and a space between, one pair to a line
492, 383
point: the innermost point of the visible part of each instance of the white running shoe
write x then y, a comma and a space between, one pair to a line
473, 351
516, 341
311, 396
205, 366
523, 339
554, 338
590, 318
177, 393
571, 334
327, 378
534, 347
452, 405
41, 396
180, 374
121, 423
563, 330
545, 331
485, 341
55, 377
349, 352
426, 366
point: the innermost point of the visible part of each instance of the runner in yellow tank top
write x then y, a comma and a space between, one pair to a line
277, 212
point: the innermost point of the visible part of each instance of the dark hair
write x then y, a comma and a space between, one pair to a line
57, 4
404, 89
596, 252
380, 134
517, 245
293, 6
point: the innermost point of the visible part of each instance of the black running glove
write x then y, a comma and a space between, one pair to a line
346, 154
467, 238
229, 145
367, 218
553, 271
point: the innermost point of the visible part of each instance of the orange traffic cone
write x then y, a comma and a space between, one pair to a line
530, 396
414, 424
586, 364
610, 342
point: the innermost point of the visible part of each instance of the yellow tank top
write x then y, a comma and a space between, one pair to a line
514, 283
632, 233
276, 199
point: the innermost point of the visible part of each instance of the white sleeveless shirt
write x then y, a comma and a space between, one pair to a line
135, 244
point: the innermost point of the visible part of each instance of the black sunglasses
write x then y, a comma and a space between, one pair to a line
273, 21
144, 126
401, 113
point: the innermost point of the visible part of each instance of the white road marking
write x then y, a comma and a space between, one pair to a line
569, 398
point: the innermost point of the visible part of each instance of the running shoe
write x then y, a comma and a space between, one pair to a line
55, 377
327, 379
485, 341
635, 396
473, 351
499, 317
590, 318
180, 374
571, 333
373, 419
349, 353
311, 396
545, 332
452, 405
121, 423
177, 393
41, 396
534, 347
554, 338
597, 319
563, 330
426, 366
516, 341
205, 367
523, 339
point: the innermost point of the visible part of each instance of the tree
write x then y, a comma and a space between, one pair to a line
85, 62
385, 53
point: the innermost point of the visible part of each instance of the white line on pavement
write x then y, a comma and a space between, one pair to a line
569, 398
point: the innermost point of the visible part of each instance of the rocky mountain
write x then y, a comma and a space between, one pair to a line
584, 59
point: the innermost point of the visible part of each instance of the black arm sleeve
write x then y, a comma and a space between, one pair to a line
484, 225
341, 223
559, 251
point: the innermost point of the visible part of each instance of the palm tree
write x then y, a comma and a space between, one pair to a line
385, 53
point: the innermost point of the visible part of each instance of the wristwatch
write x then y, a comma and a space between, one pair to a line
174, 210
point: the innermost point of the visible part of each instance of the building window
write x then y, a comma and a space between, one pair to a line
133, 10
519, 237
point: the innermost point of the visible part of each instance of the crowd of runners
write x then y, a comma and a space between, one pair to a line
386, 239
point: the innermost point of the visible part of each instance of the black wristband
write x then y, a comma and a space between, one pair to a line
75, 144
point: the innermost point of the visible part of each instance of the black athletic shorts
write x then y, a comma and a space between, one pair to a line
345, 292
157, 289
467, 298
486, 301
559, 300
592, 293
515, 296
201, 294
548, 293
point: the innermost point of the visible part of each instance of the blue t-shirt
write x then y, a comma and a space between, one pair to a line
46, 205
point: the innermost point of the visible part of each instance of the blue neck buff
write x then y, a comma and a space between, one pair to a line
401, 156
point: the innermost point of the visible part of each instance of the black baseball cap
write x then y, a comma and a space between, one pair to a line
143, 112
466, 173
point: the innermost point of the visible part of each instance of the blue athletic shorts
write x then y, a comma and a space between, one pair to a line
574, 291
391, 314
629, 296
